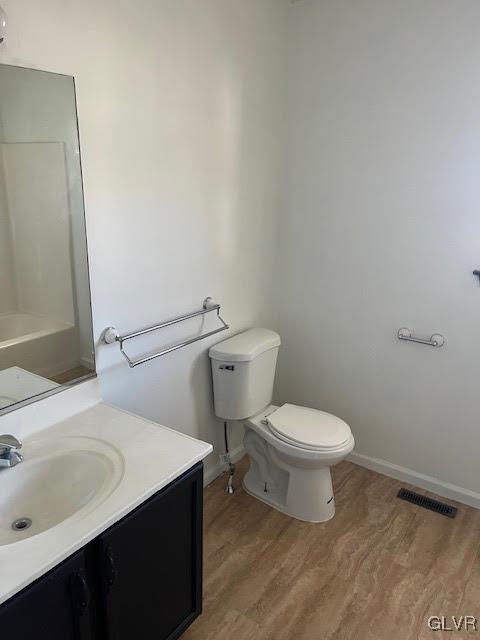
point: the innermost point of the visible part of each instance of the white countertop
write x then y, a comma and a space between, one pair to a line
153, 456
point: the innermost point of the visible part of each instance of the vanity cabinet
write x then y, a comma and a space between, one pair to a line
141, 579
151, 565
55, 607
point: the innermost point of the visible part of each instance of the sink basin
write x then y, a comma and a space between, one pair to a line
56, 481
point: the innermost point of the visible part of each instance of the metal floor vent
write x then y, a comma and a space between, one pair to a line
427, 503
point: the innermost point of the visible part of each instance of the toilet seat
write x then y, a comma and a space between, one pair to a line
308, 428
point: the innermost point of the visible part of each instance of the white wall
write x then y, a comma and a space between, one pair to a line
381, 227
180, 124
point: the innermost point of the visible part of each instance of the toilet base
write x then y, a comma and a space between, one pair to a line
306, 495
270, 499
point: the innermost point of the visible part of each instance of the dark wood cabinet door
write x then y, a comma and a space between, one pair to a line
151, 564
56, 607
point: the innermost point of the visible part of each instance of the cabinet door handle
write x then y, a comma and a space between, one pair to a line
110, 571
81, 592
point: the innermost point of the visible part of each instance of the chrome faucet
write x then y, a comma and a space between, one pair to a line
9, 456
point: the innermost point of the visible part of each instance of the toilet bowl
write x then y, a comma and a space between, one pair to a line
291, 448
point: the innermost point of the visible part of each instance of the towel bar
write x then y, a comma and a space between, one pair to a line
111, 335
436, 340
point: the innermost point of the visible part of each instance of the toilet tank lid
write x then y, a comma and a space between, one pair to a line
245, 346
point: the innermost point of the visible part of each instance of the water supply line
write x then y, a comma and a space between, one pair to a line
230, 489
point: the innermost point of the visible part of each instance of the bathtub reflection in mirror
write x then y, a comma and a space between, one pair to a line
46, 337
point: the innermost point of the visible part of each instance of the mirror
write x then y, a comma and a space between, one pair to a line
46, 339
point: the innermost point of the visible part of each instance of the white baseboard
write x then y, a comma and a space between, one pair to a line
216, 470
444, 489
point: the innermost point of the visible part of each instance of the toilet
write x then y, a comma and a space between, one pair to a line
291, 448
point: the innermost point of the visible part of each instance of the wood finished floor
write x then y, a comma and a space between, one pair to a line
71, 374
374, 572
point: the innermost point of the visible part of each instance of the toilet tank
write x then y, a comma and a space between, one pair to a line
243, 369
